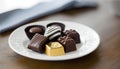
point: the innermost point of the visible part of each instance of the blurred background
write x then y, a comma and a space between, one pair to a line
94, 10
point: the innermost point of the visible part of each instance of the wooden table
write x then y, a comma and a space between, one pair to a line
101, 19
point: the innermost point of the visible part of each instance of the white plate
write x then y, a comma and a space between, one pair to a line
89, 42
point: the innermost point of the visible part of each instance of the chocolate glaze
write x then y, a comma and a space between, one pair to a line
35, 30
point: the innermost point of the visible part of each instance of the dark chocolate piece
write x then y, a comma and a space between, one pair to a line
68, 43
33, 29
37, 43
73, 34
57, 24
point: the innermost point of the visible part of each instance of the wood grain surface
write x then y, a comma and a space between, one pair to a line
101, 19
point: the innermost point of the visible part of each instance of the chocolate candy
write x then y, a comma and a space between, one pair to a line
52, 32
68, 43
37, 43
53, 41
33, 29
54, 49
73, 34
57, 24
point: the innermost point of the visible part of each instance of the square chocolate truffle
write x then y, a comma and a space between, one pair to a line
68, 43
73, 34
37, 43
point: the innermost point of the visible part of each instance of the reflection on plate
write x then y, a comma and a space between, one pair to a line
89, 42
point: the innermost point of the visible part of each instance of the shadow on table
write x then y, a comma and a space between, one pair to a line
5, 33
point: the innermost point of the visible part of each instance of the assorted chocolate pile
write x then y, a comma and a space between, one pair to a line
52, 40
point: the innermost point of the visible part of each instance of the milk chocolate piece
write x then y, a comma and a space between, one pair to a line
57, 24
37, 43
33, 29
54, 49
68, 43
73, 34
